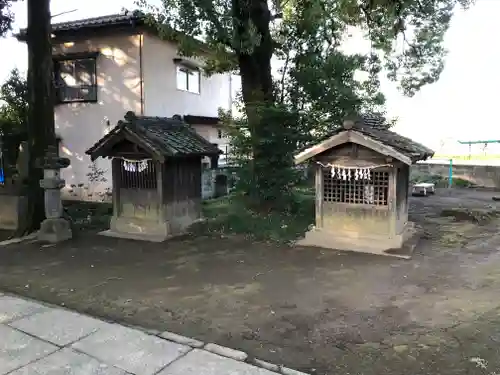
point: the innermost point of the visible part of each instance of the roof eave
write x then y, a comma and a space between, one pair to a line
201, 120
99, 148
138, 23
71, 32
422, 156
353, 136
201, 154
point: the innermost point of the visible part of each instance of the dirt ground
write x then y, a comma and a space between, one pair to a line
317, 310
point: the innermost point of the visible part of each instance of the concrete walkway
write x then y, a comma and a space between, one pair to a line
36, 339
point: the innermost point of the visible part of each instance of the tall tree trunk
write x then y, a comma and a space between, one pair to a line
257, 91
41, 129
255, 66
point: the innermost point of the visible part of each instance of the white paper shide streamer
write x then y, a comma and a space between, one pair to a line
135, 165
346, 172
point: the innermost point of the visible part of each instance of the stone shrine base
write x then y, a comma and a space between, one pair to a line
401, 246
134, 236
137, 229
145, 230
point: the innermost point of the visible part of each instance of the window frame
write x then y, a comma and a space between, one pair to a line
187, 70
356, 193
58, 59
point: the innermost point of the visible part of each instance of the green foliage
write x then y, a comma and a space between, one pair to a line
320, 81
13, 119
320, 84
409, 34
86, 216
265, 162
231, 215
14, 106
440, 180
6, 16
406, 36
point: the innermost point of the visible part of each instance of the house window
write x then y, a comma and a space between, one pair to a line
76, 79
188, 79
356, 191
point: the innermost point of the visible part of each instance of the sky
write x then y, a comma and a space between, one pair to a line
458, 106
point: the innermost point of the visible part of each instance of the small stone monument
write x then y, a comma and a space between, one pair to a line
54, 228
13, 200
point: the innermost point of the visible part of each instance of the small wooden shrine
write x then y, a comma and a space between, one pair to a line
156, 169
362, 183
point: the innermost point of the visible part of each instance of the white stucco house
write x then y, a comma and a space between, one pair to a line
106, 66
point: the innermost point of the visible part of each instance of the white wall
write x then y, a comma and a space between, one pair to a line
83, 124
212, 135
162, 98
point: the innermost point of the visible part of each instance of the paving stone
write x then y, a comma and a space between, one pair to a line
131, 350
18, 349
12, 308
201, 362
60, 327
181, 339
226, 352
68, 362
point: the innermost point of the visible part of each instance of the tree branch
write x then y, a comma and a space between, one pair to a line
214, 17
285, 69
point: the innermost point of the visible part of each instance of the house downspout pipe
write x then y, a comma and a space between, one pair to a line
141, 71
230, 93
135, 24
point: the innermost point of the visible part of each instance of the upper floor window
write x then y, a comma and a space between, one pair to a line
188, 79
76, 79
222, 134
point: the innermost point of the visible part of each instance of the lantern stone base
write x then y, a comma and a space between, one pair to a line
55, 230
401, 245
138, 229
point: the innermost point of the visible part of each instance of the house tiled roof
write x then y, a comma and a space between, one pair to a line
125, 18
165, 137
128, 20
377, 128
